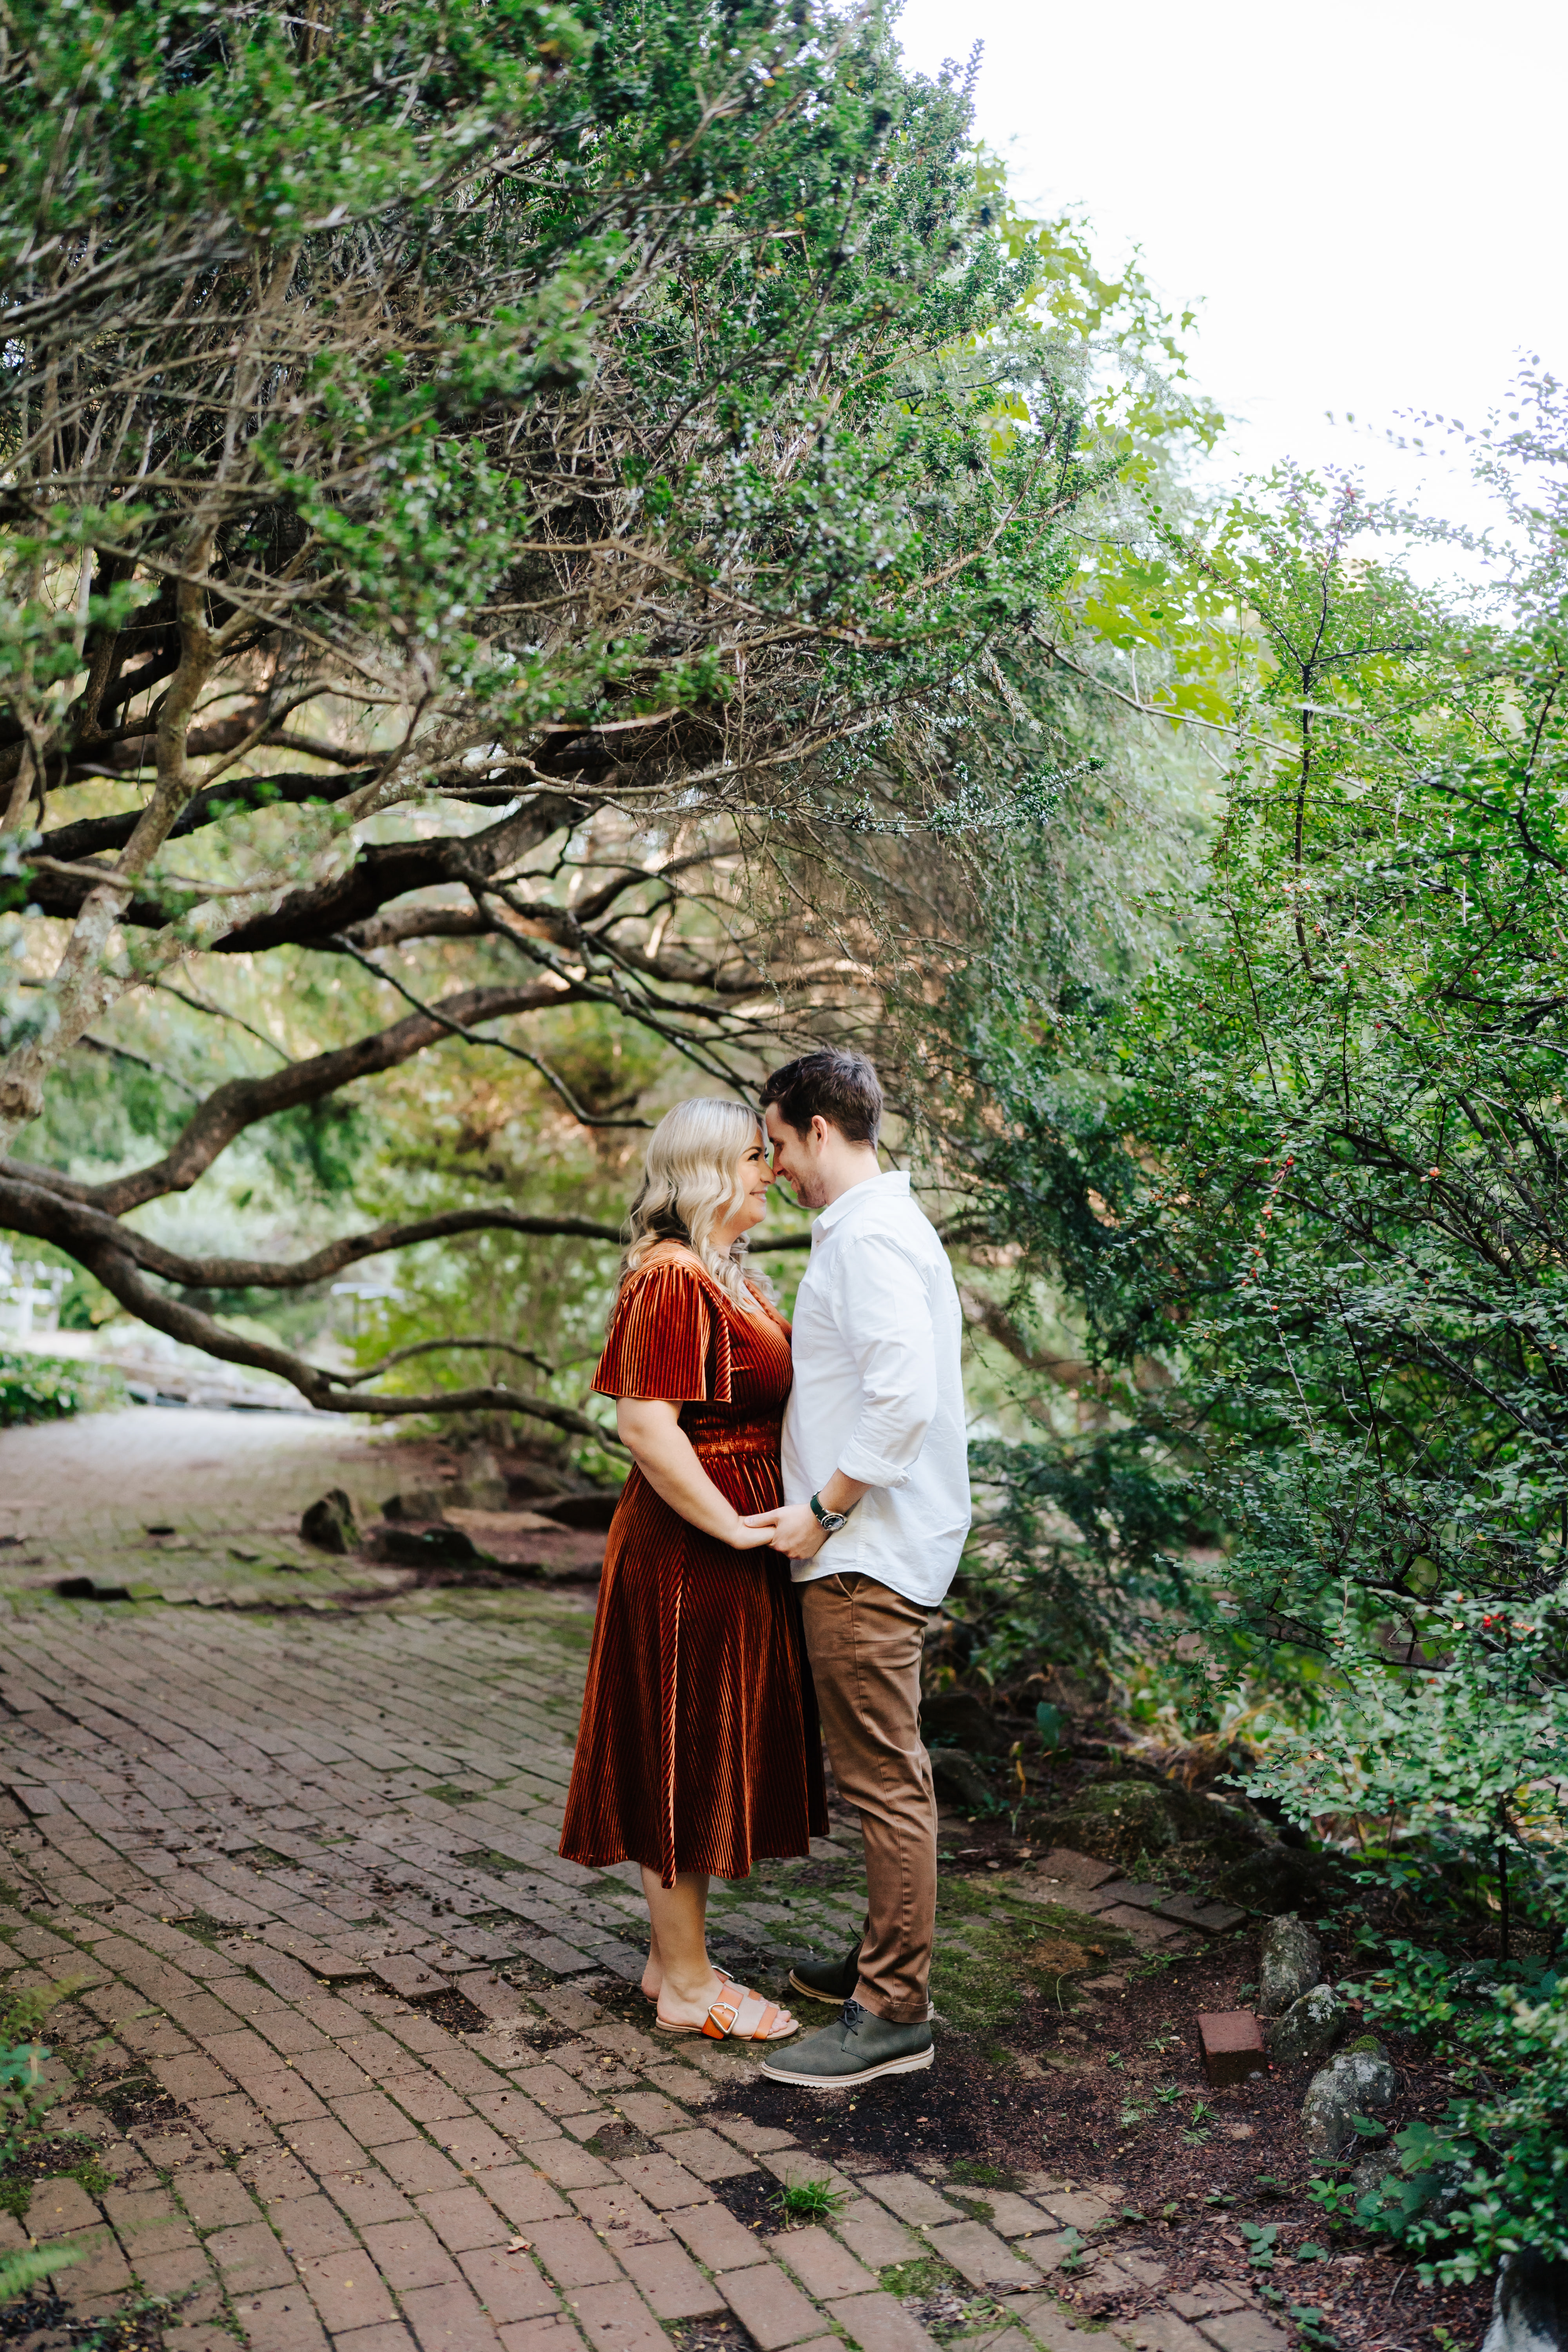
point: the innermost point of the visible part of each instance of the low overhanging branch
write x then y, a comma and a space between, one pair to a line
323, 1390
30, 1205
240, 1103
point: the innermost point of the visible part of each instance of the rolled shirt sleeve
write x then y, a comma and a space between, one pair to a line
882, 1311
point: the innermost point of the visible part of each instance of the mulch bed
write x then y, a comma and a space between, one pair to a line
1005, 2115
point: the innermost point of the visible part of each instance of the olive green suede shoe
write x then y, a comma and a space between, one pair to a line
830, 1981
857, 2050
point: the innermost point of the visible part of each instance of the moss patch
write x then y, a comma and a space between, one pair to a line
993, 1947
926, 2276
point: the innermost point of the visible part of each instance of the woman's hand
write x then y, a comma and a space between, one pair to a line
791, 1529
747, 1538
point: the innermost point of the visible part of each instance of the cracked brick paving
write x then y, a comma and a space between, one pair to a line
354, 2085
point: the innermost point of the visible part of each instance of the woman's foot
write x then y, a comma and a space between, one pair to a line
742, 2014
653, 1979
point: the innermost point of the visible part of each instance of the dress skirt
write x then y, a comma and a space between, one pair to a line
698, 1747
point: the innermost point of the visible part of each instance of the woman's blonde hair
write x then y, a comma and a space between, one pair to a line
692, 1182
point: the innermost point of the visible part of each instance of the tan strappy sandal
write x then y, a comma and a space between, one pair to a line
727, 2020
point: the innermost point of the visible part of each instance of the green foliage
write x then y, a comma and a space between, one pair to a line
31, 2265
656, 439
1461, 1748
809, 2201
1307, 1184
1491, 2175
38, 1388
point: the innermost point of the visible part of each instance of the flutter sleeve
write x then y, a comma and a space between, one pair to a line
666, 1338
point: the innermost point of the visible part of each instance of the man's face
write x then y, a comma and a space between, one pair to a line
796, 1158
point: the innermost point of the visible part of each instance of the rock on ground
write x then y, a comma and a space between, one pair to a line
1529, 2306
958, 1780
1350, 2085
1278, 1878
1116, 1821
330, 1523
1309, 2028
1290, 1959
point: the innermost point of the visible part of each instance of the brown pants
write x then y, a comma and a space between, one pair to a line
864, 1641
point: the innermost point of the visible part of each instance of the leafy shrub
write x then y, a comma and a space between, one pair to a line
38, 1388
1492, 2176
1456, 1746
24, 2102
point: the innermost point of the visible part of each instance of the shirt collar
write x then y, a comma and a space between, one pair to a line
895, 1183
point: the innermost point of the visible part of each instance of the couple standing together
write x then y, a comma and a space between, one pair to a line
782, 1507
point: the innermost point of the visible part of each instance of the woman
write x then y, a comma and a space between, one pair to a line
697, 1748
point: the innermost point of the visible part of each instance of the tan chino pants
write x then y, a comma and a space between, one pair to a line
864, 1641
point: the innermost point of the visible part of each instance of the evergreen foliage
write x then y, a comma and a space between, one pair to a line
588, 516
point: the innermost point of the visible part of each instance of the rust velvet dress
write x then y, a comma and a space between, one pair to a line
698, 1747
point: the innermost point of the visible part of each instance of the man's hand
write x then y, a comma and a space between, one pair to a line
796, 1529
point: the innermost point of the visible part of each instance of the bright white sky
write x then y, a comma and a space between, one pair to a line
1363, 198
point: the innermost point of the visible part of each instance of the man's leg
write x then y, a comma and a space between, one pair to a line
865, 1642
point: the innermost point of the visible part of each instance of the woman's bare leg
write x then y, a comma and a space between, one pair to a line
688, 1984
680, 1975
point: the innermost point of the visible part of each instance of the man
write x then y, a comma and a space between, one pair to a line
876, 1482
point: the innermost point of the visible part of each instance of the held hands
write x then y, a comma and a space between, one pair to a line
749, 1535
792, 1529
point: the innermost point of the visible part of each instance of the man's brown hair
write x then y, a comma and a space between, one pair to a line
834, 1083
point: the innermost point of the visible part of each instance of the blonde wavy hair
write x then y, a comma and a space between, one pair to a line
692, 1182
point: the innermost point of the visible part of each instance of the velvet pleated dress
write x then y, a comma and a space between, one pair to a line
698, 1747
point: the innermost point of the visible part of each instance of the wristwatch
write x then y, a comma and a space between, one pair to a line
828, 1521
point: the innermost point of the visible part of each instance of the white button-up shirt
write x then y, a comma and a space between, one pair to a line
878, 1392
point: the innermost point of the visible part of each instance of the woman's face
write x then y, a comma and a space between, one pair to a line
755, 1176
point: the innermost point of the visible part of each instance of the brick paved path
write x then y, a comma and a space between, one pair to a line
349, 2074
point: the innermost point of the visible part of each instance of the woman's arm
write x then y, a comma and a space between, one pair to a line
651, 1431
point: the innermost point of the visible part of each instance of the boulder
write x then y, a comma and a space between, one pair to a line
329, 1524
958, 1719
1372, 2170
1529, 2306
1309, 2029
427, 1548
958, 1781
1116, 1821
583, 1510
1290, 1957
1353, 2083
1279, 1878
424, 1503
